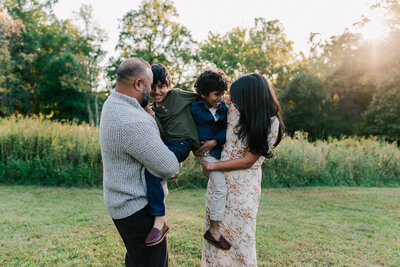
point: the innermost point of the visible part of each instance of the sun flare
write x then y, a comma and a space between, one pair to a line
373, 30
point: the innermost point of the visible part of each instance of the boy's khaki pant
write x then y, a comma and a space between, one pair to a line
218, 198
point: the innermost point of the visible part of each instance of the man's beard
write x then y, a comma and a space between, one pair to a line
145, 100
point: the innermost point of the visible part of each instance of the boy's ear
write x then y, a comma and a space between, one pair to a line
203, 95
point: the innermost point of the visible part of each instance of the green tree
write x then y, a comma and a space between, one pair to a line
344, 65
303, 102
10, 32
262, 48
46, 63
62, 77
382, 117
90, 62
22, 89
355, 71
152, 32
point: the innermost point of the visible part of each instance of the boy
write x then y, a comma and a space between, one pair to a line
210, 115
171, 110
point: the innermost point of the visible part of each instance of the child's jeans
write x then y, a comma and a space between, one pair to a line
219, 191
155, 191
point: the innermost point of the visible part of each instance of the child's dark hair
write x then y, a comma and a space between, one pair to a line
254, 97
212, 80
161, 74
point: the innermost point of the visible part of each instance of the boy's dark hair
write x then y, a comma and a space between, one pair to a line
161, 74
212, 80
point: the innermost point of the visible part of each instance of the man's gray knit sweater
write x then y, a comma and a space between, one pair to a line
130, 142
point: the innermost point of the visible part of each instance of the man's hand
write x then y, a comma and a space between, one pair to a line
176, 175
149, 109
207, 146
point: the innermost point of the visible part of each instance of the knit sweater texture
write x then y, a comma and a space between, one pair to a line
130, 142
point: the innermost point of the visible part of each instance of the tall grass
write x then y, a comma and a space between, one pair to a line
350, 161
37, 151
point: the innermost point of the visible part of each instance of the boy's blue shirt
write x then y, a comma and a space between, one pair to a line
207, 127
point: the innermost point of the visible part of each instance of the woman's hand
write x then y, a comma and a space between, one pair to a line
207, 167
227, 99
233, 164
149, 109
207, 146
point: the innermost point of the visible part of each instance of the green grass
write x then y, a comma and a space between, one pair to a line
337, 226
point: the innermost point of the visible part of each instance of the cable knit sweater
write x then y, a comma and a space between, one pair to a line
130, 142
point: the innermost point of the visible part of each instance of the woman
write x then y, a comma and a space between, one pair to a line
254, 127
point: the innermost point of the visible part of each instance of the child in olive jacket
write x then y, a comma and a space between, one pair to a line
170, 108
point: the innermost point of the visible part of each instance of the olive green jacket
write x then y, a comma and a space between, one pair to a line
175, 119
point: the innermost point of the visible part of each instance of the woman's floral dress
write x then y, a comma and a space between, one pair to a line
244, 189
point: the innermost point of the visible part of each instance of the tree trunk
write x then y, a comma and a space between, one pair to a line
327, 88
89, 110
96, 106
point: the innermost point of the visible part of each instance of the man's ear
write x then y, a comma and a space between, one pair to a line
137, 84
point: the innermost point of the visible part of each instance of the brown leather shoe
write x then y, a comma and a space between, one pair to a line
156, 236
221, 243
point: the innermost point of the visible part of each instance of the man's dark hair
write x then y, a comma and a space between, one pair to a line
161, 74
131, 68
212, 80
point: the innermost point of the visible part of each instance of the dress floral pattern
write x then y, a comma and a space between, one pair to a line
244, 190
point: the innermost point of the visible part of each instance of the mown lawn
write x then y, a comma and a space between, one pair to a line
329, 226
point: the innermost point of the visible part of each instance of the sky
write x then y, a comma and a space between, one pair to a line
298, 17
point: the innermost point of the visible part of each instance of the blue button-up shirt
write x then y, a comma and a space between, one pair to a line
207, 127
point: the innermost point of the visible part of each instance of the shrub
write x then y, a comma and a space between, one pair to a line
38, 151
348, 161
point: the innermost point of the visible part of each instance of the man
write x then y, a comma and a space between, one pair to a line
130, 143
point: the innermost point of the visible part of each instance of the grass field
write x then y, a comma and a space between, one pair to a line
328, 226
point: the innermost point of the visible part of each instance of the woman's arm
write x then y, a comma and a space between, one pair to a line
229, 165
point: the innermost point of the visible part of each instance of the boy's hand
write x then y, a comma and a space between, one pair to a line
196, 154
207, 146
149, 109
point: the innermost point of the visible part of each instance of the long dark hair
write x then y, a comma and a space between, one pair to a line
255, 98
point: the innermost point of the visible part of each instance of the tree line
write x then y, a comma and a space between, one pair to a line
345, 85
